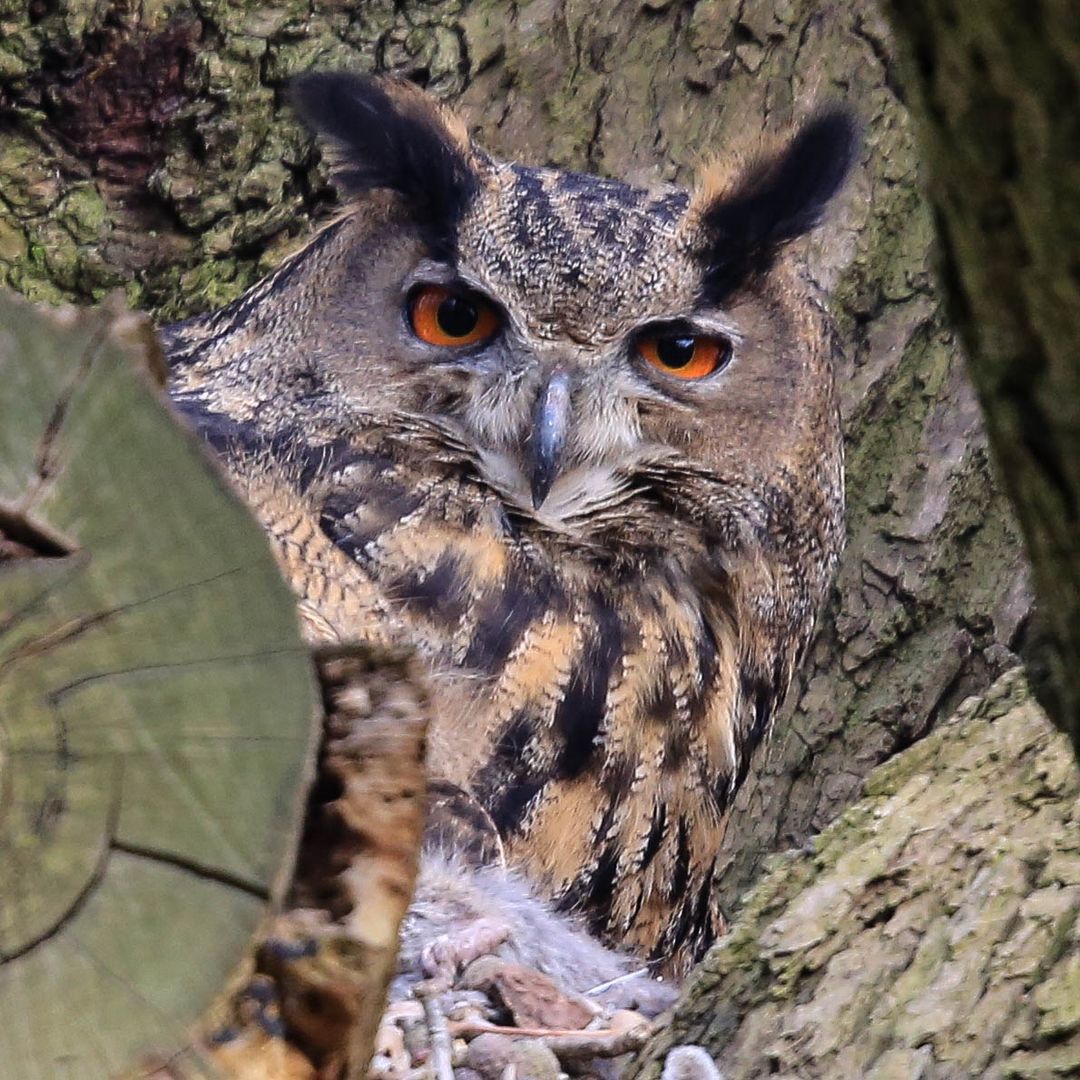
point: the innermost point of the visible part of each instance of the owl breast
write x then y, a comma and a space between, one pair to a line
585, 694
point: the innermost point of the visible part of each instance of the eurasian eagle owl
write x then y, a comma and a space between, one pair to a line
578, 443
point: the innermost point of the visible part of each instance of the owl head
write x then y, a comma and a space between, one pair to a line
586, 343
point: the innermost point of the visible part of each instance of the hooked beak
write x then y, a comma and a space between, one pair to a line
551, 421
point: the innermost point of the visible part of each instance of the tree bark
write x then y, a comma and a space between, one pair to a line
147, 146
990, 86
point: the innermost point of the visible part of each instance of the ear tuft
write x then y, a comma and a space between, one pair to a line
387, 133
775, 201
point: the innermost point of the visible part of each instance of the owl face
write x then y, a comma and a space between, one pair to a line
581, 339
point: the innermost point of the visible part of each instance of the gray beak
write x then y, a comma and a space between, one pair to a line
551, 421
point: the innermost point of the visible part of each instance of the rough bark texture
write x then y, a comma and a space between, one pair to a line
146, 145
933, 930
991, 85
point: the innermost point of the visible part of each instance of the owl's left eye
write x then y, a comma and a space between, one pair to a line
686, 356
442, 316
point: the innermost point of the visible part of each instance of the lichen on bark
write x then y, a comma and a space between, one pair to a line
147, 145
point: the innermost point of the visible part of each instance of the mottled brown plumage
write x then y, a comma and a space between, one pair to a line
613, 604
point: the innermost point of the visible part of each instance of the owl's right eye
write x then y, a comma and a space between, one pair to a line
442, 316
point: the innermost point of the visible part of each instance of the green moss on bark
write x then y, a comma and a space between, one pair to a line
209, 163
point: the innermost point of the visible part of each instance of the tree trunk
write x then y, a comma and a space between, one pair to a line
991, 86
146, 146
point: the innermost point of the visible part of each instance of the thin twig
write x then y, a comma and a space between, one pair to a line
617, 981
402, 1010
442, 1052
468, 1028
564, 1044
590, 1044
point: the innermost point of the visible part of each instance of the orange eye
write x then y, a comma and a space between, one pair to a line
440, 316
685, 356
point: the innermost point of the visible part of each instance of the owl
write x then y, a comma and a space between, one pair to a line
574, 441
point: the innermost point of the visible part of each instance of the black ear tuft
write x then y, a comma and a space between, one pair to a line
777, 200
390, 134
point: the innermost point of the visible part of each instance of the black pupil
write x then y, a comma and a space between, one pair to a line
675, 352
458, 316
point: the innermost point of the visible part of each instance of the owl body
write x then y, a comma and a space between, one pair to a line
610, 567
